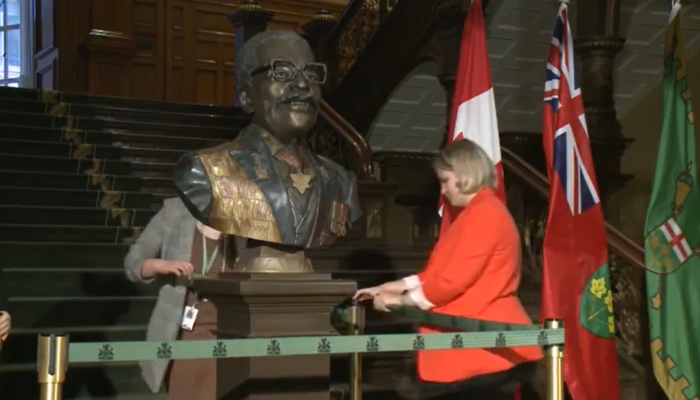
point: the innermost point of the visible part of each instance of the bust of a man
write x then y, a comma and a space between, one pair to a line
267, 185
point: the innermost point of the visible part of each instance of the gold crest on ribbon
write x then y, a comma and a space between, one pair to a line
339, 218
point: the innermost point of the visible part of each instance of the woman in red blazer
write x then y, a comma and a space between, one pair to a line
473, 271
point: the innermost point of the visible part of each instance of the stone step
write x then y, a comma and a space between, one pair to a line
123, 113
67, 233
56, 282
57, 180
145, 105
117, 138
86, 311
94, 255
26, 163
86, 151
74, 216
93, 124
38, 197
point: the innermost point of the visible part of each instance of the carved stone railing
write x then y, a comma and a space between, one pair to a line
334, 137
356, 27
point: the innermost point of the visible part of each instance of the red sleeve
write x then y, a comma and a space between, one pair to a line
463, 260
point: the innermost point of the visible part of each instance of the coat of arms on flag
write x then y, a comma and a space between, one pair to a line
667, 246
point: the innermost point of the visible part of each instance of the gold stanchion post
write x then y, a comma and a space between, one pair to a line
554, 355
356, 320
52, 364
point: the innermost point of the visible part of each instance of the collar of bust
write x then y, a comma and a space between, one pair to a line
270, 141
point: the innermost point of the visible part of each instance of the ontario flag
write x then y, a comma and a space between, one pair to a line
576, 277
473, 114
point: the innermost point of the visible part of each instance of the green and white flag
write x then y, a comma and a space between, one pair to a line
672, 233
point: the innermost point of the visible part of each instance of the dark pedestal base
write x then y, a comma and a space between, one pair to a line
274, 305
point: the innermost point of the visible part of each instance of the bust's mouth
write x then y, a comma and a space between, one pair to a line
298, 104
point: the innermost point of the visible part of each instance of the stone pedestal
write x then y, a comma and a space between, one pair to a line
274, 305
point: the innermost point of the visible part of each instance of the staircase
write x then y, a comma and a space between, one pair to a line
80, 176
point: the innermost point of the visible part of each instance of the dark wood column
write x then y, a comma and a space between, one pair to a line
597, 44
450, 15
317, 32
249, 20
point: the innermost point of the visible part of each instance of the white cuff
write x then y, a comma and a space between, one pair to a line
412, 282
208, 232
418, 297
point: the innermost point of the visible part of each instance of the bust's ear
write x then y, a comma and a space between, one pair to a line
246, 103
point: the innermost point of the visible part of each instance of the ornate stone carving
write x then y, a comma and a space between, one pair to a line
357, 33
627, 299
375, 229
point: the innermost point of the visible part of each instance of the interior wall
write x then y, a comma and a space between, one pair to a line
642, 123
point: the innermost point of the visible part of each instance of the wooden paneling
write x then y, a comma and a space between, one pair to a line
199, 52
177, 50
149, 45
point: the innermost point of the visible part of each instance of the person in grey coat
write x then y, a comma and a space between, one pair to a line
162, 255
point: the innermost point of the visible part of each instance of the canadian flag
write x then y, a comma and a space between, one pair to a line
473, 114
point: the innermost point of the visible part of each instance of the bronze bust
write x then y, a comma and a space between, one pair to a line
267, 188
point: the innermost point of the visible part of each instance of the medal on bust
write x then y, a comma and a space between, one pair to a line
300, 181
339, 218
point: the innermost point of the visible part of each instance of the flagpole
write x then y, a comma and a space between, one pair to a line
675, 9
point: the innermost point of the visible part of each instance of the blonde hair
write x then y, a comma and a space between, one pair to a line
471, 165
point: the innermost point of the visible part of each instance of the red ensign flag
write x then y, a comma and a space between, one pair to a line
576, 279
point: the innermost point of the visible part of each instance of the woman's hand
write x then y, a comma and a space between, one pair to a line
367, 293
181, 269
384, 300
5, 325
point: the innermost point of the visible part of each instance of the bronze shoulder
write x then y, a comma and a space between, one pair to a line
217, 150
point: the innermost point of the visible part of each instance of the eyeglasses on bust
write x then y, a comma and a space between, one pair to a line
285, 71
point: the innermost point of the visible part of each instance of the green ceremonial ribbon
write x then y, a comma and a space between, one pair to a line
465, 324
295, 346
